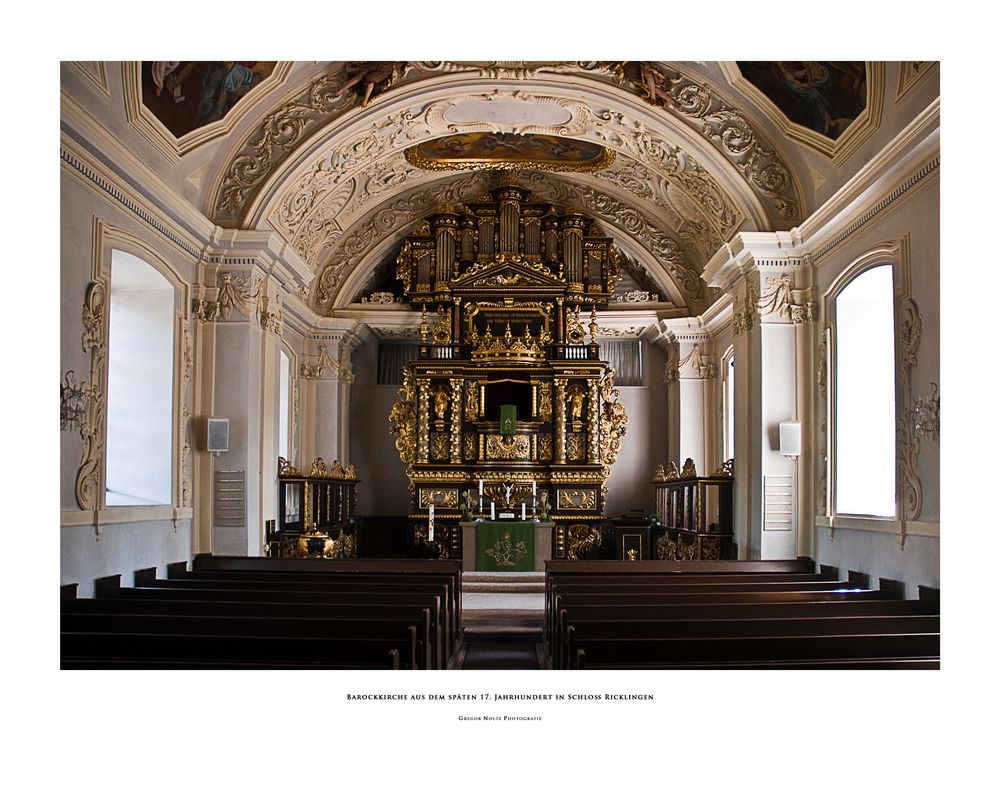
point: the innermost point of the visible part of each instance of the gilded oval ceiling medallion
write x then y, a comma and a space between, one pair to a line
501, 151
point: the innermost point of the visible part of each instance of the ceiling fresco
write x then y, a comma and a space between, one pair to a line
510, 151
187, 95
824, 96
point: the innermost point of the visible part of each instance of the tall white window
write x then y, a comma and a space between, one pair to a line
865, 406
730, 408
284, 380
140, 384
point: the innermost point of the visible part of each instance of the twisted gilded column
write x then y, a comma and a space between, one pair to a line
593, 422
456, 420
560, 420
423, 420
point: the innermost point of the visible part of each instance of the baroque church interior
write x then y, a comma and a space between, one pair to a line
318, 312
285, 237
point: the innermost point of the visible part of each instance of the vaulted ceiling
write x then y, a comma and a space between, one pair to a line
317, 151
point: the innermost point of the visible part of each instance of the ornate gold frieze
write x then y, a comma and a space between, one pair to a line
470, 447
440, 498
508, 447
576, 498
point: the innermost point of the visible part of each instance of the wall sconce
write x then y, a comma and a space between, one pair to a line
72, 404
926, 414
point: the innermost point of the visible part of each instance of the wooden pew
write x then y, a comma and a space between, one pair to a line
699, 594
579, 635
442, 643
656, 653
206, 650
430, 648
450, 569
297, 627
405, 591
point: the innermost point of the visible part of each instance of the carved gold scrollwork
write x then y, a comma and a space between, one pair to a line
545, 447
440, 498
575, 447
508, 447
581, 539
576, 498
440, 446
403, 421
614, 420
472, 401
545, 401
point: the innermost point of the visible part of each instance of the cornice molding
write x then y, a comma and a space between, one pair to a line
908, 158
902, 165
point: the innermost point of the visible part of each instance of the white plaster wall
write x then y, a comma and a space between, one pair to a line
121, 550
778, 405
383, 490
915, 216
878, 555
645, 444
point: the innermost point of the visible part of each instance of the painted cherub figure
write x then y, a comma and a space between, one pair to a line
372, 78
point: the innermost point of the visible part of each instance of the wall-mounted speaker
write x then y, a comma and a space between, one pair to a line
218, 435
790, 438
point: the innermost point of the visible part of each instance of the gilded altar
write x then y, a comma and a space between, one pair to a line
508, 288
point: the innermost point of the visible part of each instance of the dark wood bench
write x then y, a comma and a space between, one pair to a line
168, 650
332, 584
443, 641
430, 648
657, 653
580, 634
398, 569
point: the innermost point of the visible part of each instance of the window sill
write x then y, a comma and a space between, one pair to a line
122, 514
893, 527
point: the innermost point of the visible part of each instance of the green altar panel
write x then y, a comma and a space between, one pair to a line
508, 420
505, 546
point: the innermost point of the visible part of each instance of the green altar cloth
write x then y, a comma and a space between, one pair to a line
505, 546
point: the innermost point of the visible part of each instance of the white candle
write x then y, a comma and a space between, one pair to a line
523, 515
430, 522
533, 487
492, 510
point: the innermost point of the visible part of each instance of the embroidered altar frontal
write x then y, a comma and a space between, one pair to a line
505, 547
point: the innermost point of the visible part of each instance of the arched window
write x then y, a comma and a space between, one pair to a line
864, 404
284, 395
140, 385
729, 406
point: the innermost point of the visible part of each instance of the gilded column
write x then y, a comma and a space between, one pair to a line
423, 420
560, 420
456, 420
593, 422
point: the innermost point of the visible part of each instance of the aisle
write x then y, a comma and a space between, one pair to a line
502, 620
